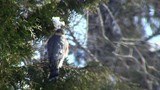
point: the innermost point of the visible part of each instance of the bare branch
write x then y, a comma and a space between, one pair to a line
113, 18
78, 44
142, 59
130, 39
85, 49
103, 28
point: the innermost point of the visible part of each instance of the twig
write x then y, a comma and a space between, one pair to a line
142, 59
113, 18
78, 44
103, 28
130, 39
145, 72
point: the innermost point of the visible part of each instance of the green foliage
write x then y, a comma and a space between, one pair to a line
90, 78
22, 21
16, 29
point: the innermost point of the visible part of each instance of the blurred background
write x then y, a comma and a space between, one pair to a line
114, 44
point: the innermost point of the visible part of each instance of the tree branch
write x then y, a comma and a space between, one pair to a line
78, 44
103, 28
115, 24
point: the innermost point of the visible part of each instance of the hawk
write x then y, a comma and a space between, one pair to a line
57, 48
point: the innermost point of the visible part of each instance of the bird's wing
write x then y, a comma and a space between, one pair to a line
55, 47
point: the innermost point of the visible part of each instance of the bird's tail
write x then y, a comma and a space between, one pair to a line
54, 71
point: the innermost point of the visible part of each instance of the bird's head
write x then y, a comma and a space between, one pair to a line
57, 23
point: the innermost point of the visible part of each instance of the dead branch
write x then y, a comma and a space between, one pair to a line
103, 28
85, 49
76, 41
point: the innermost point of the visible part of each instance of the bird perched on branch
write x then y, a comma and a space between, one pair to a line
57, 48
